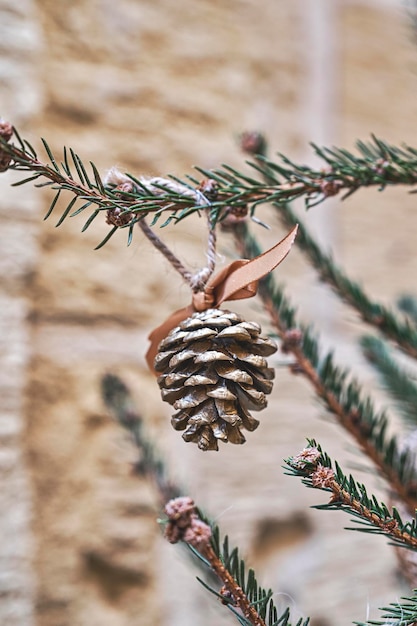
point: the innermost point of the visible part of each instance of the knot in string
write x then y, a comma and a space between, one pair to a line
198, 281
203, 300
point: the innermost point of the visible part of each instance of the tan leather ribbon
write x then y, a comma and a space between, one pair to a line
237, 281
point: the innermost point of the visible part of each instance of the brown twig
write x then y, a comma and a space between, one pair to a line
351, 421
184, 524
389, 527
22, 160
233, 590
312, 465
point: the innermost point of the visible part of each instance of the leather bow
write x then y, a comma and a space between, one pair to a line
237, 281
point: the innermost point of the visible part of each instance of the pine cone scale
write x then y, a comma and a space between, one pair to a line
171, 395
254, 360
230, 372
238, 333
251, 398
212, 356
192, 399
227, 412
181, 357
262, 384
206, 378
199, 334
221, 393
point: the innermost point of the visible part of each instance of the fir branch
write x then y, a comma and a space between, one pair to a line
124, 204
408, 305
373, 313
119, 401
129, 199
351, 292
398, 382
240, 592
402, 613
377, 164
340, 393
315, 468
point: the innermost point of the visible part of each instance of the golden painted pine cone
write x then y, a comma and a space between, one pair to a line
214, 371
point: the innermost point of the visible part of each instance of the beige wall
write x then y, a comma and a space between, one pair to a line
155, 87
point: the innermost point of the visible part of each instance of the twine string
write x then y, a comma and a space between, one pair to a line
199, 280
158, 186
168, 254
196, 281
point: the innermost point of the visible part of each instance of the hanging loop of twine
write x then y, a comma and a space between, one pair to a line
198, 280
168, 254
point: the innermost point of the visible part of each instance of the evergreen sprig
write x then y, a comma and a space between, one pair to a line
240, 592
260, 599
400, 383
318, 472
87, 191
339, 391
408, 305
377, 164
404, 333
403, 613
119, 401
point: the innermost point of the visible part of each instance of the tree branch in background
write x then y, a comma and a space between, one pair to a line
403, 333
315, 468
240, 592
402, 613
340, 393
119, 401
399, 382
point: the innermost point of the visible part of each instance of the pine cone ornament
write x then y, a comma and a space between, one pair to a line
213, 372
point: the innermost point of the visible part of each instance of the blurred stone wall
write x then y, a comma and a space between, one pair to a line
155, 87
20, 88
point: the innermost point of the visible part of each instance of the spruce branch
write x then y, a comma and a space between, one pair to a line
408, 305
340, 393
240, 592
315, 468
402, 613
351, 292
403, 333
399, 382
127, 199
378, 164
118, 400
